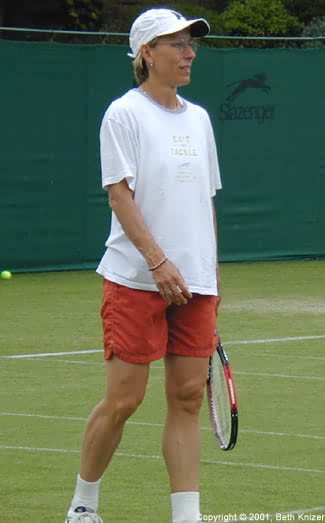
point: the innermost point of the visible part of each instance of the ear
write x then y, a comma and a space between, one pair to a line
147, 55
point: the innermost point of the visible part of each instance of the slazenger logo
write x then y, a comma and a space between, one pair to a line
230, 110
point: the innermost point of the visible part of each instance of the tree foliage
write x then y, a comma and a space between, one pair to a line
118, 16
226, 17
315, 28
83, 14
215, 5
305, 10
259, 18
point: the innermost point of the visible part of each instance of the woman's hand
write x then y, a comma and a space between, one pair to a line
171, 284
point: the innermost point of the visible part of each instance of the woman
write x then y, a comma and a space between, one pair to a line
160, 169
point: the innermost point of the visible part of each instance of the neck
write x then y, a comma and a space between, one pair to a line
164, 95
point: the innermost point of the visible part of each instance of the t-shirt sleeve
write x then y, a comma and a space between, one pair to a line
117, 153
215, 179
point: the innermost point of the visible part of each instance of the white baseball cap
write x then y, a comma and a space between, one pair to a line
159, 22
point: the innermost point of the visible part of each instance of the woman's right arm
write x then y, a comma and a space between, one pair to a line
168, 279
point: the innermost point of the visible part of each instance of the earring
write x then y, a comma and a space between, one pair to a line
151, 64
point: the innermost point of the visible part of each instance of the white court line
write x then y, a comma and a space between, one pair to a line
228, 343
43, 416
158, 425
49, 354
263, 466
155, 367
74, 362
98, 364
286, 376
88, 363
270, 354
214, 462
275, 340
280, 434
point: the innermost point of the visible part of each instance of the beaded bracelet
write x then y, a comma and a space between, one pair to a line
158, 264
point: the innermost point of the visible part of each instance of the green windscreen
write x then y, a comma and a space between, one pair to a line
268, 112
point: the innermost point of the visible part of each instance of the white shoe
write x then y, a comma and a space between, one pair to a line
83, 515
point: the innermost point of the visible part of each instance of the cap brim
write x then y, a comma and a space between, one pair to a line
198, 28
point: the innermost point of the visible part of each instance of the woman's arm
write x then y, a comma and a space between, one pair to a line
168, 279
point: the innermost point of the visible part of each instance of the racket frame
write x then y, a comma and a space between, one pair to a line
232, 397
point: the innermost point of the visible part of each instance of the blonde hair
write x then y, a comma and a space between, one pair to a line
140, 68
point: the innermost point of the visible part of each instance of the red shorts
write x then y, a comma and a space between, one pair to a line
140, 327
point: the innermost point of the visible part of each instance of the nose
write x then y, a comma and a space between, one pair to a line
189, 52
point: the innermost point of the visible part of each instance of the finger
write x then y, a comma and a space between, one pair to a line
167, 294
179, 296
173, 295
179, 299
184, 291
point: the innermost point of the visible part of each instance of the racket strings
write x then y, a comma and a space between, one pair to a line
219, 403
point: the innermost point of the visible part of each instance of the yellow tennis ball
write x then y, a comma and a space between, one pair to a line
6, 275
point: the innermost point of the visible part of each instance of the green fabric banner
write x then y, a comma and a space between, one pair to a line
268, 112
269, 115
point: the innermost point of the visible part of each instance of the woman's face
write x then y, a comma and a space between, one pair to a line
171, 58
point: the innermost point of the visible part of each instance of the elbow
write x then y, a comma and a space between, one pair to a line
111, 201
118, 195
116, 200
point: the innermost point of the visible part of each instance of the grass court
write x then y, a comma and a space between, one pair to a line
272, 321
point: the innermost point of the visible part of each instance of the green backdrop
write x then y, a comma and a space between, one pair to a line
268, 111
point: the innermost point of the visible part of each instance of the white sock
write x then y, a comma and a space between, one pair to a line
185, 507
86, 494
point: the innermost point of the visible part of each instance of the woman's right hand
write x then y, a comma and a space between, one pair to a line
171, 284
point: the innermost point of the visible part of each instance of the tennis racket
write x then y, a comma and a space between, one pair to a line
222, 399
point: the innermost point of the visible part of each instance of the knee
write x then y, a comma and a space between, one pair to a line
186, 397
120, 409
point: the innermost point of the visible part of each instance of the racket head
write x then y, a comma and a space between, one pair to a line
222, 399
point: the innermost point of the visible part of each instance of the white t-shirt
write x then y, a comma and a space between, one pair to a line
169, 160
